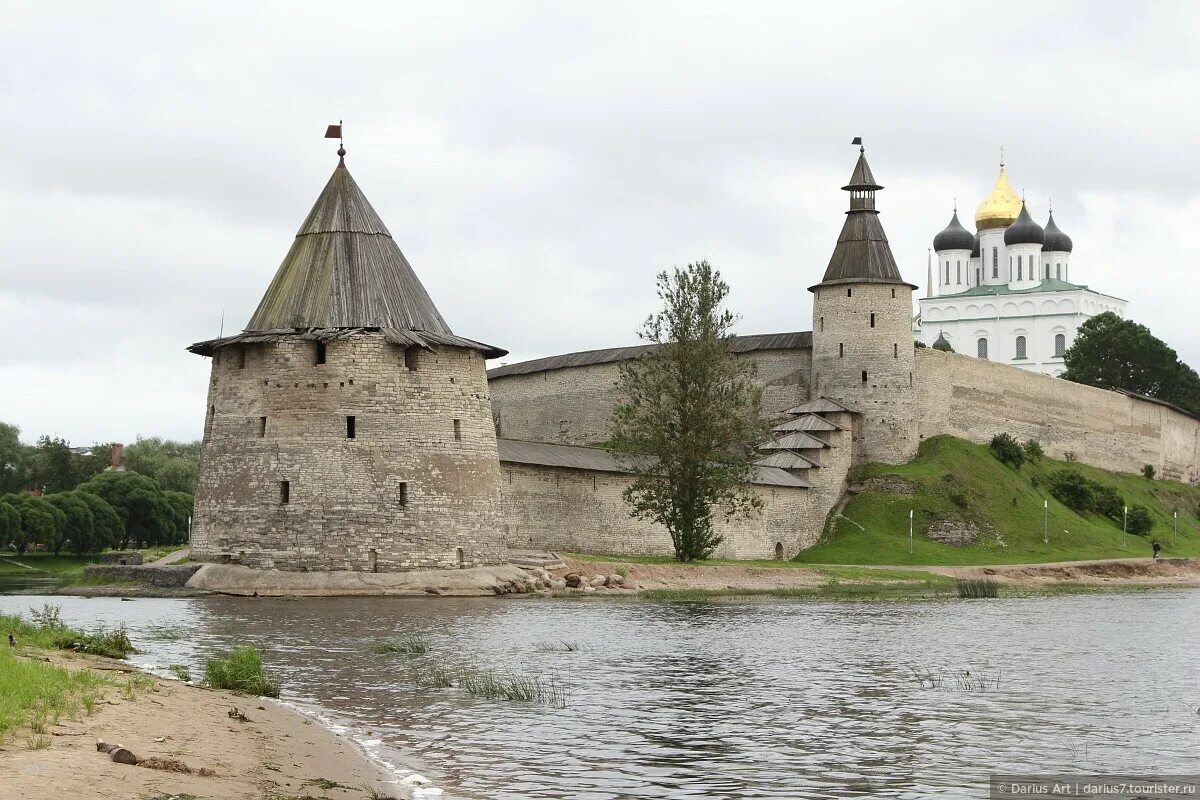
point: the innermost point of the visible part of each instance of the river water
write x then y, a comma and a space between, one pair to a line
724, 700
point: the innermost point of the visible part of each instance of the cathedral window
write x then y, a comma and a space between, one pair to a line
1057, 271
958, 272
995, 262
947, 272
1060, 345
1021, 353
1020, 269
981, 348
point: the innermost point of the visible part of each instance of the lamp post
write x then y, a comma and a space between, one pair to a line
1046, 522
1174, 527
910, 527
1124, 525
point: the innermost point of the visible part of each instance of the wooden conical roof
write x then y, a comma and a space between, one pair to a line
344, 270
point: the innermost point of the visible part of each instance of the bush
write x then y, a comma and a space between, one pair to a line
1139, 522
959, 498
1106, 501
1033, 451
1071, 456
1006, 448
1070, 488
240, 671
1148, 472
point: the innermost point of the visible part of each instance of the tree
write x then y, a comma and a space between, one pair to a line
10, 523
1033, 451
146, 515
106, 524
690, 408
1071, 489
79, 526
1008, 450
181, 505
173, 464
40, 521
1115, 353
14, 460
1138, 521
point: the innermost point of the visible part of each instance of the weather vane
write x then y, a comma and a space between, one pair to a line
335, 132
858, 141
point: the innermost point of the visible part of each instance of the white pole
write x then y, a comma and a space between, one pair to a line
910, 526
1124, 526
1174, 528
1046, 521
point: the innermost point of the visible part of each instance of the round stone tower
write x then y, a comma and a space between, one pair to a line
348, 428
862, 355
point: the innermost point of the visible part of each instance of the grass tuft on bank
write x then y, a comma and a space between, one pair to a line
955, 486
240, 671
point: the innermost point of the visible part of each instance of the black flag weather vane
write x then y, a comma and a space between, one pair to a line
335, 132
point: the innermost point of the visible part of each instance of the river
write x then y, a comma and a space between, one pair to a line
723, 700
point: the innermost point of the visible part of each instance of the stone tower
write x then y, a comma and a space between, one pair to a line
862, 355
348, 428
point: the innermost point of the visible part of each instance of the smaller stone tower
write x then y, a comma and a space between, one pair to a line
348, 427
862, 355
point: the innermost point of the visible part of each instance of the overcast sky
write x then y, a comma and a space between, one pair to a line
539, 162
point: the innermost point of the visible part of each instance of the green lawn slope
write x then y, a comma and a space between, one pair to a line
956, 480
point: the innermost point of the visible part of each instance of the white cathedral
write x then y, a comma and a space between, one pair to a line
1005, 293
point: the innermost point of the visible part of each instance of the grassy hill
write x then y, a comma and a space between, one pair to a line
955, 486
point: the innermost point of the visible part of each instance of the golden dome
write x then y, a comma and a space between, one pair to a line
1001, 208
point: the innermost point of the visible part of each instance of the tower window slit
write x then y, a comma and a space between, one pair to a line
458, 430
285, 492
262, 427
864, 376
410, 358
241, 363
402, 494
320, 353
895, 350
849, 293
350, 427
872, 319
841, 349
893, 294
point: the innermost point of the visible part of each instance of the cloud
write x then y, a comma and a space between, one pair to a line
539, 164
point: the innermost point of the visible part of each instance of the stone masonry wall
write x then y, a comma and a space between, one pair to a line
582, 511
574, 405
862, 357
282, 417
977, 399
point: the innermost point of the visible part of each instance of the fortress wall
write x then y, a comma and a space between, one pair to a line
574, 405
582, 511
346, 509
977, 399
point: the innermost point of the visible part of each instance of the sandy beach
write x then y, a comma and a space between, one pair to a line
275, 754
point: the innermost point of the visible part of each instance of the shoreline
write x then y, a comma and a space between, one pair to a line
199, 745
593, 576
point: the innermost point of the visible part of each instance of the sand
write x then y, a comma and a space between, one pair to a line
278, 753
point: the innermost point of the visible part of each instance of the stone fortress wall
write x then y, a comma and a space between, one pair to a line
977, 399
582, 511
573, 405
417, 483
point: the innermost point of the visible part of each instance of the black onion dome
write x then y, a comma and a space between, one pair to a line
1056, 240
975, 246
1024, 230
953, 237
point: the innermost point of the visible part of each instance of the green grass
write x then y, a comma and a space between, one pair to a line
34, 694
710, 562
408, 644
63, 566
47, 631
948, 469
240, 671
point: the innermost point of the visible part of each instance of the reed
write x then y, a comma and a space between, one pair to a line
962, 680
977, 587
409, 644
240, 671
492, 684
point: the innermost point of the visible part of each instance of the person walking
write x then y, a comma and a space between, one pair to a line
1156, 547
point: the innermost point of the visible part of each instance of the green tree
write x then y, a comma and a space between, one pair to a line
106, 523
1139, 521
181, 505
1008, 450
14, 460
79, 526
146, 515
1071, 489
688, 416
173, 464
1033, 451
10, 524
40, 521
1115, 353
